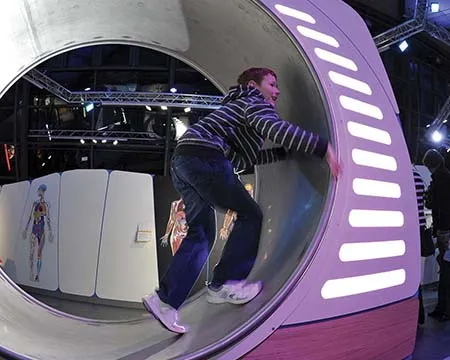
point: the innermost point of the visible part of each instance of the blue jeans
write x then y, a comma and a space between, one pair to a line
205, 183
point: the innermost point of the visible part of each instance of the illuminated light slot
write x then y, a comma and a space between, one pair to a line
295, 14
336, 59
374, 160
372, 250
316, 35
376, 219
350, 83
361, 107
338, 288
369, 133
376, 188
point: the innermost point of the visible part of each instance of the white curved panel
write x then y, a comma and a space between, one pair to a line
350, 83
39, 225
13, 198
295, 14
336, 59
372, 250
127, 270
374, 160
318, 36
82, 203
367, 187
369, 133
337, 288
361, 107
376, 218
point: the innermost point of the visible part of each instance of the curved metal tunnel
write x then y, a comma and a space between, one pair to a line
220, 39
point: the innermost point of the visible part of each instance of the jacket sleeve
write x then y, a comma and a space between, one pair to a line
265, 120
266, 156
238, 161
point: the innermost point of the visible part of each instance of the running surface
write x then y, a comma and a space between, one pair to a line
31, 330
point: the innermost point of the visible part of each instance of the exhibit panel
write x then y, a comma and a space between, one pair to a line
127, 267
82, 203
36, 250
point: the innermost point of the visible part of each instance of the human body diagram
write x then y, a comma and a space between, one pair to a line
231, 216
39, 215
177, 227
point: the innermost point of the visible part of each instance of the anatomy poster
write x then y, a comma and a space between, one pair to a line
36, 248
225, 224
172, 227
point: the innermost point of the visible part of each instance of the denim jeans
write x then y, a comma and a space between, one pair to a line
205, 183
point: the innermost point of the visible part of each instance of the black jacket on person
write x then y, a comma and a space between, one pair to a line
440, 194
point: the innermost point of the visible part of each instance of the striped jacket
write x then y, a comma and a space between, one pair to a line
240, 126
420, 191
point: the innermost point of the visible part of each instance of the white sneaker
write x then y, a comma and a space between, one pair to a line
237, 292
167, 315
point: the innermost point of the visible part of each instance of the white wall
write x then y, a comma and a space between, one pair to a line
82, 202
127, 270
49, 271
12, 202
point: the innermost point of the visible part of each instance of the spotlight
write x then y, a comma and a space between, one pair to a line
434, 7
187, 110
445, 121
148, 108
164, 108
115, 142
403, 45
104, 141
173, 90
437, 136
94, 141
82, 141
89, 107
87, 89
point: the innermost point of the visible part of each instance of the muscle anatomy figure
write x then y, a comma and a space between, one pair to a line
230, 218
177, 227
40, 212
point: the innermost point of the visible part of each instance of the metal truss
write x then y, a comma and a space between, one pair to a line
438, 32
44, 82
146, 98
107, 136
123, 98
405, 30
443, 115
409, 28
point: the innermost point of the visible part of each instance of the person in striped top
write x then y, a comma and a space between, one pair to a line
204, 166
420, 192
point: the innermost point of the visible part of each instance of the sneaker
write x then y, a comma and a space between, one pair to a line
164, 313
239, 292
